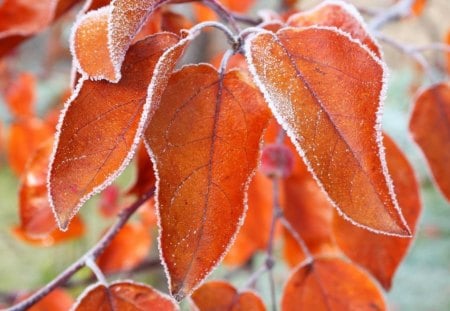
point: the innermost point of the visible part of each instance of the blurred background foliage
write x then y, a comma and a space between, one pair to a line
422, 281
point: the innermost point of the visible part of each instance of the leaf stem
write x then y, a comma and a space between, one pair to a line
223, 13
93, 253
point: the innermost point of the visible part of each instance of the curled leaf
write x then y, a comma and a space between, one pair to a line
203, 170
124, 296
331, 284
430, 128
331, 108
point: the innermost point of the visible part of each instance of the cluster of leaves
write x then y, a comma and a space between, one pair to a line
344, 194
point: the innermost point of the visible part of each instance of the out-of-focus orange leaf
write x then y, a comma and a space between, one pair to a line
102, 37
309, 212
24, 137
127, 250
330, 107
331, 284
222, 296
102, 124
236, 61
20, 19
254, 233
430, 128
145, 179
21, 96
337, 14
204, 170
37, 223
204, 13
57, 300
418, 6
124, 296
379, 254
147, 213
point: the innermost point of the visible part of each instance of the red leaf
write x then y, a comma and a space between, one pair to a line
330, 107
56, 300
124, 296
102, 124
109, 201
337, 14
381, 255
331, 284
127, 250
204, 170
430, 128
145, 179
222, 296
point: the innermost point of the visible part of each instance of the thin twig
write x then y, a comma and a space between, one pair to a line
223, 13
297, 237
396, 12
93, 253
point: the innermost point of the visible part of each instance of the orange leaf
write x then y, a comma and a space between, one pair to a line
381, 255
222, 296
174, 22
447, 54
331, 284
254, 233
127, 250
56, 300
205, 143
109, 201
331, 108
309, 212
430, 128
20, 19
124, 296
337, 14
418, 6
24, 137
21, 96
109, 32
145, 179
37, 223
203, 13
102, 124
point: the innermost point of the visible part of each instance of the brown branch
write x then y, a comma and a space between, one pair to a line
93, 253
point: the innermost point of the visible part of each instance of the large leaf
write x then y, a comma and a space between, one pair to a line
222, 296
326, 90
337, 14
430, 127
379, 254
102, 124
204, 140
124, 296
331, 284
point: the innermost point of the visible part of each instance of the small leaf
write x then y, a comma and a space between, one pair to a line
254, 233
21, 96
331, 109
338, 14
57, 300
418, 6
145, 179
102, 124
331, 284
222, 296
430, 128
124, 296
381, 255
205, 142
127, 250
